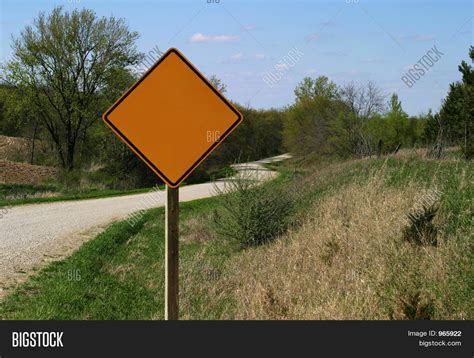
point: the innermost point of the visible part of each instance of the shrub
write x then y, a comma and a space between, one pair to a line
413, 307
252, 214
421, 230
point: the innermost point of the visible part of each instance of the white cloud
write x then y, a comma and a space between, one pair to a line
238, 57
311, 71
200, 37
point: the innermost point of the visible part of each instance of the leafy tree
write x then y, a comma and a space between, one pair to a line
395, 105
64, 65
11, 108
321, 86
348, 136
389, 130
457, 112
308, 125
18, 119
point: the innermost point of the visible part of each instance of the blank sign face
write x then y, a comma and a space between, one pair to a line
172, 117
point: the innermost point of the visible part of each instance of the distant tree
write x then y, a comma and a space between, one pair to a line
396, 119
395, 105
218, 84
64, 64
12, 107
363, 100
348, 136
456, 117
321, 86
309, 124
18, 119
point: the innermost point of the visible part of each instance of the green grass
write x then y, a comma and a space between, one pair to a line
120, 274
19, 194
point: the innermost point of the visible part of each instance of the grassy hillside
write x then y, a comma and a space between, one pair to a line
348, 254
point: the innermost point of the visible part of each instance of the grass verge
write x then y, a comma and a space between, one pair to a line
19, 194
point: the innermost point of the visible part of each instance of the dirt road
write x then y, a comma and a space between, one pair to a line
33, 235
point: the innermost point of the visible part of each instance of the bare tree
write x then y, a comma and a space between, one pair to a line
363, 100
218, 84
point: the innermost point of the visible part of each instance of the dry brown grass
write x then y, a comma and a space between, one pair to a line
347, 261
449, 153
196, 229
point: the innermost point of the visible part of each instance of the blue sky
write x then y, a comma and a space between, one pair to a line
241, 41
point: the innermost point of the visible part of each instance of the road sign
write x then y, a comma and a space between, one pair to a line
172, 117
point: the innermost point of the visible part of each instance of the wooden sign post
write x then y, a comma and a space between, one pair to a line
172, 254
172, 118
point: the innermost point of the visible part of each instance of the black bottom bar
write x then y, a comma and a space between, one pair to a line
292, 339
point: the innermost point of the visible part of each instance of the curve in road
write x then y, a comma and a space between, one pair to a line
33, 235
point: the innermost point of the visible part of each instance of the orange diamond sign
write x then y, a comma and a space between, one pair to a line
172, 118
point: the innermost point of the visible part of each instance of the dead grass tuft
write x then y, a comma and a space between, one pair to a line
196, 229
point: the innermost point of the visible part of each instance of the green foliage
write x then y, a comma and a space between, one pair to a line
20, 191
457, 112
345, 121
259, 136
307, 125
63, 64
252, 214
394, 128
321, 86
12, 111
347, 135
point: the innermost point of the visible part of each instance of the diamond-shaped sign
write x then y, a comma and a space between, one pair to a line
172, 117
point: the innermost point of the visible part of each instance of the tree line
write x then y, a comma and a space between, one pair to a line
356, 120
68, 67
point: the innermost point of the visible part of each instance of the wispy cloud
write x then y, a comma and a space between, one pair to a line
336, 53
239, 57
373, 60
249, 27
200, 37
329, 23
317, 36
418, 37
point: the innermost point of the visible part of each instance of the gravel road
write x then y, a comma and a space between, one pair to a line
33, 235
